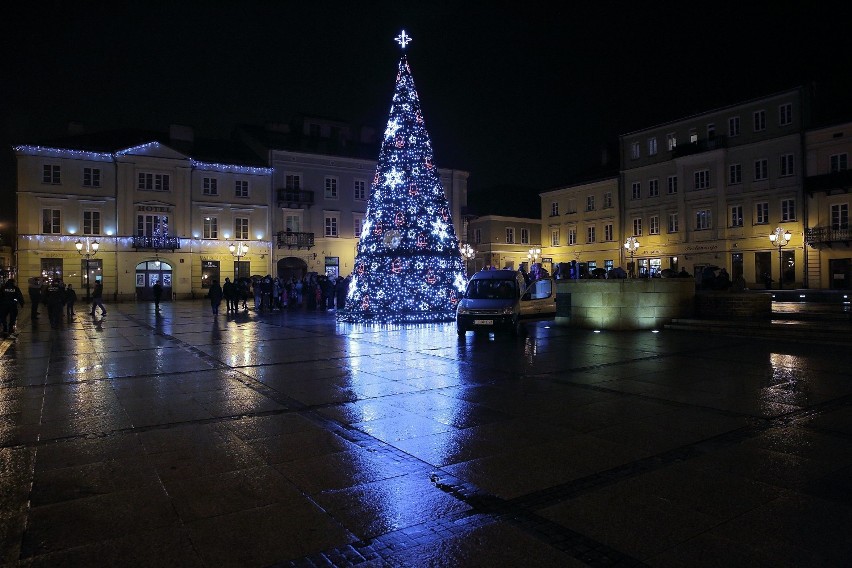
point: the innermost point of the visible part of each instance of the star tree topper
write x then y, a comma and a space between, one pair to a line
403, 39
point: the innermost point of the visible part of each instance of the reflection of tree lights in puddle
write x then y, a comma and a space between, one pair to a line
785, 384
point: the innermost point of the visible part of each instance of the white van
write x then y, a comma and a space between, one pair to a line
498, 300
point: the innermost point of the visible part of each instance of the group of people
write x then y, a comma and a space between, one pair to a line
311, 292
59, 297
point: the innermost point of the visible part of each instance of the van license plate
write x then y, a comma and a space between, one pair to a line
483, 322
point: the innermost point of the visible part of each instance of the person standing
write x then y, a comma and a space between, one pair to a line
10, 297
98, 299
70, 298
230, 297
215, 295
35, 297
55, 299
157, 289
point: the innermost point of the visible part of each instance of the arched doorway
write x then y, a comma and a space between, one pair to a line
291, 267
149, 273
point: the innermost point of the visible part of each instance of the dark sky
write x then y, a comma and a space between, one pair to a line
515, 92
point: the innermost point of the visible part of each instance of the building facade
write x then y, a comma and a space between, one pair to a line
827, 187
708, 190
580, 224
131, 216
504, 242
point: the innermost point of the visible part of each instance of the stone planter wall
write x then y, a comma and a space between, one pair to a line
627, 304
733, 305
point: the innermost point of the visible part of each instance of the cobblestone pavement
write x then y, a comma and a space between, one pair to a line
184, 439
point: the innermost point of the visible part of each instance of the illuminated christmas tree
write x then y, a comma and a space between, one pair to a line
408, 267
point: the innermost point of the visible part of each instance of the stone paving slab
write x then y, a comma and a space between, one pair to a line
287, 439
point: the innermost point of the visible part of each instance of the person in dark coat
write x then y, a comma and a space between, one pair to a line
10, 298
157, 289
55, 299
70, 298
215, 295
98, 299
35, 297
229, 291
341, 290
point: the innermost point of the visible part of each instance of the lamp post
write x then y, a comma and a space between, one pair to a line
632, 245
91, 249
238, 250
780, 237
468, 253
533, 255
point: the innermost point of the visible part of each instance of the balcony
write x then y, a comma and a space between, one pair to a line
294, 198
162, 242
715, 143
295, 240
826, 237
836, 181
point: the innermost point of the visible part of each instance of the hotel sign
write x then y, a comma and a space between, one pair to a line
154, 208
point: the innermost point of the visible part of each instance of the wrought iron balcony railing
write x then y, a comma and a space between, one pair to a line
162, 242
699, 146
294, 198
826, 236
293, 240
841, 181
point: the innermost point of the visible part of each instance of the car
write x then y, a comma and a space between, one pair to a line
498, 301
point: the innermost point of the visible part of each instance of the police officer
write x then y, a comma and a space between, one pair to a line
35, 296
55, 299
10, 297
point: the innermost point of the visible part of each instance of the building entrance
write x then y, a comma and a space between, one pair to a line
291, 267
149, 273
839, 272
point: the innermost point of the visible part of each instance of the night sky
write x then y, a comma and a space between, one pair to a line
516, 93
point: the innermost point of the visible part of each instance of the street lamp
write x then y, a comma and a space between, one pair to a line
780, 237
91, 249
533, 254
468, 253
632, 245
238, 250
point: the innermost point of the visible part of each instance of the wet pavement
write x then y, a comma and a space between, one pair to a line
182, 439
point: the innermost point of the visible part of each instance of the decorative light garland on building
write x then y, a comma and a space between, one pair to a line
64, 153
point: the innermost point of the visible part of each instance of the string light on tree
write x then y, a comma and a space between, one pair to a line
408, 267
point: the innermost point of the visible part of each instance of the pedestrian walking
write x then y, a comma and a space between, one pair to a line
157, 289
10, 298
70, 298
35, 296
215, 295
98, 299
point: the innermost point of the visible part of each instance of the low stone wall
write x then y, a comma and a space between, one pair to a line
733, 305
624, 304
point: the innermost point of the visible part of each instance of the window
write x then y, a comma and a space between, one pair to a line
788, 209
91, 222
735, 174
210, 186
840, 217
654, 225
672, 185
91, 177
736, 216
293, 222
590, 203
525, 236
609, 235
734, 126
330, 188
590, 234
785, 114
330, 225
554, 237
360, 189
211, 228
358, 224
759, 120
50, 221
761, 213
653, 188
510, 235
477, 236
652, 146
702, 219
673, 224
637, 227
241, 228
51, 268
693, 136
671, 141
838, 162
702, 179
711, 131
634, 150
636, 190
51, 174
572, 236
761, 169
153, 182
607, 200
293, 181
152, 225
787, 165
241, 188
554, 209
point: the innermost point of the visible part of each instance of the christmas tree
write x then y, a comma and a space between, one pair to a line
408, 267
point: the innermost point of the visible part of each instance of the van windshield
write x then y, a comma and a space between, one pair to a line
491, 290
